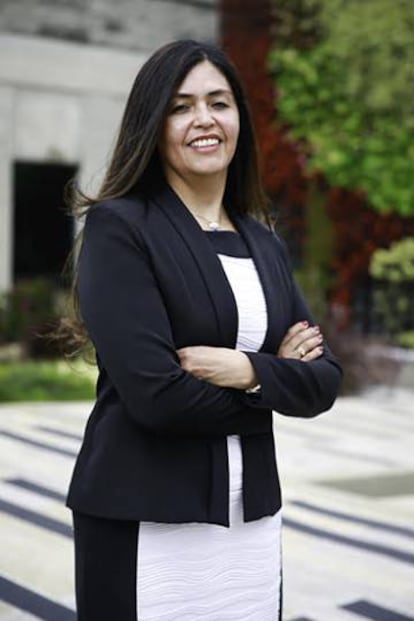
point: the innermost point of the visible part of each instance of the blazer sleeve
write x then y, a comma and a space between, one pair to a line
293, 387
125, 316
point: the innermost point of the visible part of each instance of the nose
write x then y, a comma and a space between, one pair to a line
203, 115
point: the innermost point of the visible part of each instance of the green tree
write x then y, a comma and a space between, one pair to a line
344, 71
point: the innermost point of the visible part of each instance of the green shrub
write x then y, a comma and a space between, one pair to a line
46, 381
393, 271
28, 312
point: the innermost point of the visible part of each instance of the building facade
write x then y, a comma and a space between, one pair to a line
65, 71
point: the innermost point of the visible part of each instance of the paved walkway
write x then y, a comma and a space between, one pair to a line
348, 480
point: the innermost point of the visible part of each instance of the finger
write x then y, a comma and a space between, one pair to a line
300, 340
293, 338
302, 343
294, 330
311, 342
186, 359
313, 354
193, 352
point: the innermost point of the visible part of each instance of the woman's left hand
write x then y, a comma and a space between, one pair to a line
221, 366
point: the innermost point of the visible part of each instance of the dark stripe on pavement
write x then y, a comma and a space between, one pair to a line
36, 518
397, 530
368, 610
33, 603
37, 444
399, 555
199, 4
60, 433
37, 489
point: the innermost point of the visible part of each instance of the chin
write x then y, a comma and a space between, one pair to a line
209, 170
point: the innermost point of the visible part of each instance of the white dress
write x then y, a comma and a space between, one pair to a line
206, 572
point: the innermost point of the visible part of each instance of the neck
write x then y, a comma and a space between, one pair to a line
201, 195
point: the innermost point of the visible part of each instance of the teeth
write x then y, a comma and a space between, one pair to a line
205, 142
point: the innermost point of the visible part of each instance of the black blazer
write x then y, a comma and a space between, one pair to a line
155, 445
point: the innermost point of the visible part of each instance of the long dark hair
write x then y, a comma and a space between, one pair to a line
135, 164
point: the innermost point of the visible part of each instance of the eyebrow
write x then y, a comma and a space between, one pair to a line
220, 91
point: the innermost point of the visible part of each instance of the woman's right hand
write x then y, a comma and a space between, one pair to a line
302, 342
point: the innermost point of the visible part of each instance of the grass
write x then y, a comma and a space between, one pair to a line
51, 380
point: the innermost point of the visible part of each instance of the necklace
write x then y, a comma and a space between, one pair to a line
213, 225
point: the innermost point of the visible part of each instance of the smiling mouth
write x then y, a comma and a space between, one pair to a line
202, 143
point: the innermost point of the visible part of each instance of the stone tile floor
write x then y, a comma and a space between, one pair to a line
348, 481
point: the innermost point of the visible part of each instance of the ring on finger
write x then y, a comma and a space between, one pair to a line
301, 351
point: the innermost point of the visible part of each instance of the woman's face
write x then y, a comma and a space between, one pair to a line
200, 133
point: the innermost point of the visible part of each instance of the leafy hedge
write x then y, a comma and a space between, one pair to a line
46, 381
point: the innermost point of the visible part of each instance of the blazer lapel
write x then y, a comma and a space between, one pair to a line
195, 238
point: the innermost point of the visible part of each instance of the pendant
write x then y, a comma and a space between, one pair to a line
214, 226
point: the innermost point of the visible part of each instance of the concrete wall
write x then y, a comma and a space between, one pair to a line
133, 24
65, 71
6, 151
59, 102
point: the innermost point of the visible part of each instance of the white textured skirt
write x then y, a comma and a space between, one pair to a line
206, 572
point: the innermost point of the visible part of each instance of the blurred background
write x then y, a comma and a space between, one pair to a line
332, 92
331, 87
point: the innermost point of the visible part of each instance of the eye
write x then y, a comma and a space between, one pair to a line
179, 108
219, 105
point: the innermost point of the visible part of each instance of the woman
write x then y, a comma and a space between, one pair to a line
200, 333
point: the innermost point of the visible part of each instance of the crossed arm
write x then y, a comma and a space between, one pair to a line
126, 318
230, 368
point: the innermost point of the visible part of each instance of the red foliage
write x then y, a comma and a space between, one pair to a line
247, 36
359, 231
